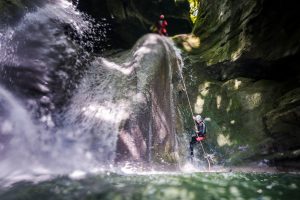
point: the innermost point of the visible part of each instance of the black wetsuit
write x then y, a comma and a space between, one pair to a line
201, 132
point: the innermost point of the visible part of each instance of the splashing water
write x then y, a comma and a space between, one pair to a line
44, 65
44, 134
43, 57
17, 142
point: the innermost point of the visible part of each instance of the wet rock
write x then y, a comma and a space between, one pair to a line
149, 133
283, 125
230, 30
124, 108
245, 75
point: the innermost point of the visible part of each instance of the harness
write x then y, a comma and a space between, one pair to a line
201, 128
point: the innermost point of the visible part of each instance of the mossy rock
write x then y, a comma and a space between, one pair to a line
283, 122
245, 66
236, 108
231, 30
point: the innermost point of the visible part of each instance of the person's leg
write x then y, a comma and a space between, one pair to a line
191, 156
193, 141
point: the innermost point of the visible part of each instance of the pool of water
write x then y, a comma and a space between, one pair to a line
200, 185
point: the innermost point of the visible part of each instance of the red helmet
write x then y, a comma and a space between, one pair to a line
161, 16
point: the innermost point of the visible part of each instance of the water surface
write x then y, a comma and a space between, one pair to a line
198, 185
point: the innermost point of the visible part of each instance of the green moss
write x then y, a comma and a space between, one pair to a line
221, 28
236, 109
243, 111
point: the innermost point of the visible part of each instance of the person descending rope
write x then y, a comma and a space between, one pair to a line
196, 126
161, 26
200, 132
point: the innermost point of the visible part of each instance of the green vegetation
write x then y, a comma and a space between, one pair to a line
194, 7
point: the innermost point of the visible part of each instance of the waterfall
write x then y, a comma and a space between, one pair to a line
17, 132
43, 57
70, 109
149, 141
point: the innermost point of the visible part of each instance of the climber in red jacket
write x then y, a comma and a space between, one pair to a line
161, 26
200, 132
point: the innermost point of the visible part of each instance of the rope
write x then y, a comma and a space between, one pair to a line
184, 87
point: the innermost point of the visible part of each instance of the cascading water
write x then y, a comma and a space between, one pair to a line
43, 57
116, 108
80, 114
18, 135
65, 111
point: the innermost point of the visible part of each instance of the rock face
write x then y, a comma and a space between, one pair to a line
125, 105
131, 19
246, 77
149, 133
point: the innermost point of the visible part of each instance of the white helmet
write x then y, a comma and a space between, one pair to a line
198, 118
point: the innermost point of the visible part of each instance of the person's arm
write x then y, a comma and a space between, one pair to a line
196, 129
165, 23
